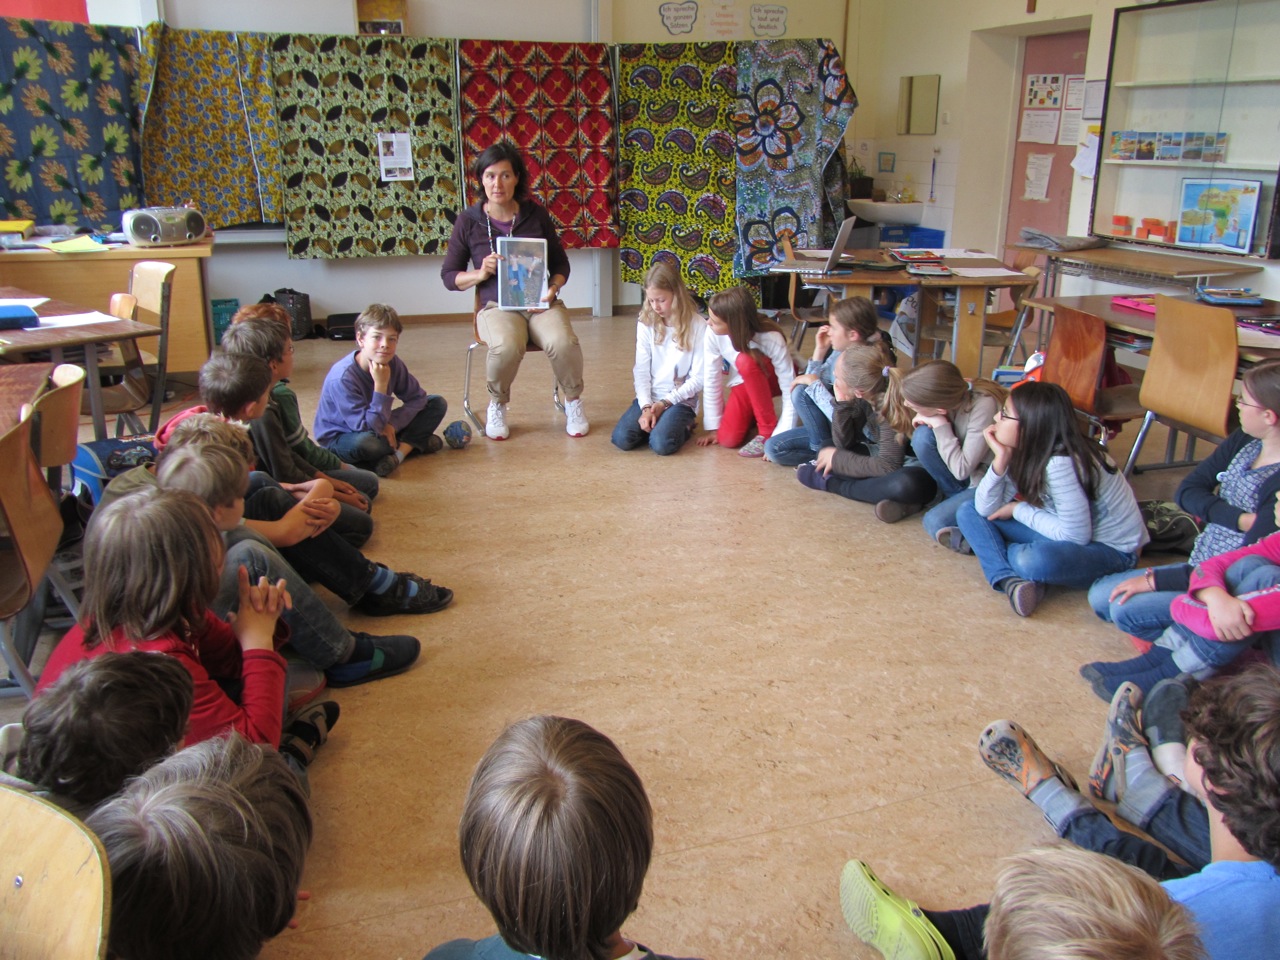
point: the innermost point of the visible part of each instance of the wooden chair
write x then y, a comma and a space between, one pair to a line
476, 343
1188, 383
802, 318
1074, 360
55, 891
143, 377
30, 527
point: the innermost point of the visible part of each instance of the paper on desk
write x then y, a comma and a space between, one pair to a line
31, 302
81, 244
986, 272
76, 320
959, 253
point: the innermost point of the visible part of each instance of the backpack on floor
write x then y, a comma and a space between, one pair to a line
1172, 529
98, 461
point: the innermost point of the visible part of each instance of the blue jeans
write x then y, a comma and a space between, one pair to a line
314, 631
790, 448
925, 446
944, 514
1203, 657
367, 447
365, 481
668, 435
1179, 822
1144, 615
353, 524
1007, 548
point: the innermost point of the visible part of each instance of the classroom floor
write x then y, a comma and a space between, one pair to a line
796, 683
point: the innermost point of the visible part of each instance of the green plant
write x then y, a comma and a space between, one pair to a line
856, 172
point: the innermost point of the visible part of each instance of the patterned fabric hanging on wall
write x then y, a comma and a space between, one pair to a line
554, 101
333, 95
209, 125
68, 123
676, 170
793, 104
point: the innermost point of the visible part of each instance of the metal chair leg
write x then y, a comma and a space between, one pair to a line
25, 683
466, 388
1147, 421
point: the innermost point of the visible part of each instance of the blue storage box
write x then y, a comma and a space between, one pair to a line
895, 233
926, 237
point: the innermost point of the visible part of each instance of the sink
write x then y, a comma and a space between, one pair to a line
886, 211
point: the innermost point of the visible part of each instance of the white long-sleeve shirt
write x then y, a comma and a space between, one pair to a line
1067, 514
665, 372
719, 348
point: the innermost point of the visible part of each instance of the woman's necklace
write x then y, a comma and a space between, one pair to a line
488, 222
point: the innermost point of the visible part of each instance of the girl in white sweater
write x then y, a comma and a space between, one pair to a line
760, 368
1052, 507
668, 370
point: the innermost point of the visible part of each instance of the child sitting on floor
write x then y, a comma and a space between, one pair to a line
556, 836
206, 853
355, 419
286, 404
866, 460
754, 351
852, 320
269, 341
152, 565
104, 721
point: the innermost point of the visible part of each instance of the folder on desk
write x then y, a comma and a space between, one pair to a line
17, 316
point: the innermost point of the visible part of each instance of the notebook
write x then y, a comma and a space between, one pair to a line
813, 267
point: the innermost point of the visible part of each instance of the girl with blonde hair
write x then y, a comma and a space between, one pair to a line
866, 460
668, 369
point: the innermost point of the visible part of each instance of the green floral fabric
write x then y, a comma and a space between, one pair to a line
209, 126
68, 123
331, 94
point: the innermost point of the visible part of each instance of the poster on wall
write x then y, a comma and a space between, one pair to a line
395, 156
1218, 214
1039, 126
1044, 91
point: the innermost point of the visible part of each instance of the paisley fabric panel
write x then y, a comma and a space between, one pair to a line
209, 127
793, 104
333, 95
554, 102
69, 141
676, 168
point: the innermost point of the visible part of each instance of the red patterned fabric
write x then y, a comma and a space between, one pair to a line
553, 101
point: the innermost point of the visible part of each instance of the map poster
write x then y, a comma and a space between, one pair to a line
1218, 214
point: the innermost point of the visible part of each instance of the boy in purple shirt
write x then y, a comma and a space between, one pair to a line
355, 418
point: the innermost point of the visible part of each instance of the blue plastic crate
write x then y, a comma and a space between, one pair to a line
926, 237
895, 233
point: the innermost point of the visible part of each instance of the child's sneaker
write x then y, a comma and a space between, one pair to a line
891, 511
753, 448
894, 925
953, 539
811, 475
1162, 724
1024, 595
391, 655
387, 465
576, 418
1124, 733
427, 598
495, 421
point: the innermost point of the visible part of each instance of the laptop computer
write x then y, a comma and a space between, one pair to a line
813, 266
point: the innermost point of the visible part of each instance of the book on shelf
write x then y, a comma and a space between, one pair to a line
1141, 303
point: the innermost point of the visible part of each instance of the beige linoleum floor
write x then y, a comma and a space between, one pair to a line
796, 682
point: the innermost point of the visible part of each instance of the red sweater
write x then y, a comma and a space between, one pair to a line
215, 652
1194, 615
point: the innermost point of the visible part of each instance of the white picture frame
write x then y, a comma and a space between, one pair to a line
522, 273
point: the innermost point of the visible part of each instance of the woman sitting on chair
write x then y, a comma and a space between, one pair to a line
508, 210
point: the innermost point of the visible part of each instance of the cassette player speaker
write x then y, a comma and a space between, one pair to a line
163, 226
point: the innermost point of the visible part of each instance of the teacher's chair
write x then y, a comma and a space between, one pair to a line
476, 343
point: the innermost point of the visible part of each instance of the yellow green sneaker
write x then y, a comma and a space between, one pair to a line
892, 924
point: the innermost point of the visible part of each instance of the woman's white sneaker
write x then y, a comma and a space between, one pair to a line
495, 422
577, 425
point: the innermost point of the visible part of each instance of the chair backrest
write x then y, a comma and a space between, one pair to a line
1194, 357
123, 305
1075, 355
1029, 290
30, 524
56, 415
55, 885
151, 284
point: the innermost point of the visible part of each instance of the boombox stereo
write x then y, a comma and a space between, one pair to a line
163, 226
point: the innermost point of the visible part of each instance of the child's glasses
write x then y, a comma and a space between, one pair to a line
1005, 415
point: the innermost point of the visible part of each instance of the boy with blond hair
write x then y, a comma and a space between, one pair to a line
356, 419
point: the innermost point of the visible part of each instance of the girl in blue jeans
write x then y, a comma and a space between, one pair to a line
852, 320
668, 369
1052, 508
945, 416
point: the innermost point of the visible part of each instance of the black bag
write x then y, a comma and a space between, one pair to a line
298, 306
1172, 529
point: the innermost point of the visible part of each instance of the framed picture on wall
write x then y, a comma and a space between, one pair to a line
522, 273
1218, 214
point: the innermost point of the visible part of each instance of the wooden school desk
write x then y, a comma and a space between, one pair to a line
15, 344
89, 279
1135, 268
971, 297
1124, 320
20, 383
